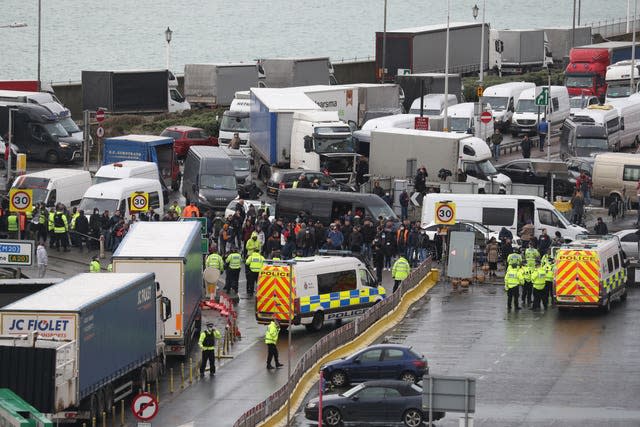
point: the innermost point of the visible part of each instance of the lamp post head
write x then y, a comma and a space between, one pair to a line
167, 34
475, 10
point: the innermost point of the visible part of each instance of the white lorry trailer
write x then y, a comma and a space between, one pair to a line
216, 84
289, 72
399, 152
171, 250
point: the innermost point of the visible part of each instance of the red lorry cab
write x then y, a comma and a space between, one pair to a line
585, 74
21, 85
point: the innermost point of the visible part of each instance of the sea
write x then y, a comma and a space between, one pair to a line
81, 35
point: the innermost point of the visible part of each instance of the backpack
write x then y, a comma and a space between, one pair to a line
58, 221
209, 339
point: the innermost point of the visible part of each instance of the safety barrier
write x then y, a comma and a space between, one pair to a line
328, 343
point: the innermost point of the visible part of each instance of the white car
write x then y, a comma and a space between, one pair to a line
629, 242
231, 208
483, 234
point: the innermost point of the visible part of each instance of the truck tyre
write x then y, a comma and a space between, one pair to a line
264, 174
317, 322
607, 306
52, 157
143, 379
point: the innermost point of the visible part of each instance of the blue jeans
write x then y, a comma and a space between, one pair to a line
404, 212
496, 151
365, 250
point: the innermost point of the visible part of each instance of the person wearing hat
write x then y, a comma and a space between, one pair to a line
94, 265
271, 339
233, 263
253, 244
207, 343
601, 228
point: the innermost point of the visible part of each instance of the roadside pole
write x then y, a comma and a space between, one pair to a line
85, 142
9, 143
290, 311
547, 109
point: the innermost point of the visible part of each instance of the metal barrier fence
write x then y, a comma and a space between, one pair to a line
329, 342
613, 27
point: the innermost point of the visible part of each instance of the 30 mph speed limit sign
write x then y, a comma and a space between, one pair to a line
445, 213
139, 202
20, 200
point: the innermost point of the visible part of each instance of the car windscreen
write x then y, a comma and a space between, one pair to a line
459, 124
527, 106
599, 143
498, 103
171, 134
37, 185
381, 210
69, 125
218, 182
234, 124
88, 204
353, 390
56, 129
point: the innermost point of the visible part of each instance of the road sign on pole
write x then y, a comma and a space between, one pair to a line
445, 213
485, 117
16, 252
20, 200
421, 123
139, 202
100, 115
543, 97
144, 406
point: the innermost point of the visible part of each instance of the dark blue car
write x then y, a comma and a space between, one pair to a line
377, 362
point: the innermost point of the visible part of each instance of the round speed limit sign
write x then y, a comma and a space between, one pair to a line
445, 213
139, 202
20, 200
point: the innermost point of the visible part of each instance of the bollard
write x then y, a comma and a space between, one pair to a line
171, 380
182, 374
84, 424
219, 350
122, 412
104, 419
157, 390
148, 388
101, 247
93, 422
191, 370
113, 416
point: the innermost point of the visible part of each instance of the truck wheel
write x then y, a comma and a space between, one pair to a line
317, 322
635, 142
143, 379
52, 157
264, 174
607, 306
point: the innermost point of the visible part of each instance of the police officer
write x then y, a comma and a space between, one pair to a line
513, 279
233, 263
94, 265
207, 343
12, 225
532, 255
254, 265
253, 244
60, 229
400, 271
527, 286
514, 258
547, 261
539, 278
214, 260
271, 339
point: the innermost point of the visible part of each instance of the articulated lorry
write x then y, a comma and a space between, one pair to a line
76, 348
171, 250
398, 153
289, 130
289, 72
412, 84
146, 148
422, 49
131, 92
207, 85
522, 50
587, 69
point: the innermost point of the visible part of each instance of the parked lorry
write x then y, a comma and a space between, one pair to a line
131, 91
12, 290
289, 130
398, 152
522, 50
207, 85
171, 250
76, 348
618, 78
562, 39
412, 84
422, 49
586, 72
289, 72
39, 133
366, 101
146, 148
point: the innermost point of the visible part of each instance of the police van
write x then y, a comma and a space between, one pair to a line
312, 290
590, 272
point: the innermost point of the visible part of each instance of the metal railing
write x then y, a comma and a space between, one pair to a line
329, 342
613, 27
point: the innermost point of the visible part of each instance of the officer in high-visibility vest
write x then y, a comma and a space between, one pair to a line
72, 226
514, 258
271, 339
548, 287
52, 236
527, 287
254, 262
12, 225
61, 229
253, 244
539, 278
214, 260
94, 265
207, 343
176, 208
400, 271
532, 255
513, 279
233, 263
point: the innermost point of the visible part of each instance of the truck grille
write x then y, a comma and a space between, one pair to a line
527, 122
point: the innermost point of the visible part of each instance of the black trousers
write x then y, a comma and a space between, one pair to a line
208, 355
252, 278
272, 354
527, 291
548, 289
396, 284
233, 276
540, 295
512, 296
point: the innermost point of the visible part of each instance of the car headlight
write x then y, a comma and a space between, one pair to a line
202, 197
64, 144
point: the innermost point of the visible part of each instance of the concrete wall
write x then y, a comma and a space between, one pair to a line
346, 72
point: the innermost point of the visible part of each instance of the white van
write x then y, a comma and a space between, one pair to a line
502, 100
126, 169
607, 116
404, 121
115, 195
629, 111
462, 119
525, 118
614, 173
52, 186
501, 210
237, 119
432, 104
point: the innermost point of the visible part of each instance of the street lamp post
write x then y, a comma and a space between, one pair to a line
167, 36
39, 40
384, 45
474, 10
446, 73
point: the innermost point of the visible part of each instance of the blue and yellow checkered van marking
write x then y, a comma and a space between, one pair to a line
337, 300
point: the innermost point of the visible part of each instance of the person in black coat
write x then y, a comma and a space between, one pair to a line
82, 228
378, 258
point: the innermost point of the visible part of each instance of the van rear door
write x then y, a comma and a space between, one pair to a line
577, 277
276, 294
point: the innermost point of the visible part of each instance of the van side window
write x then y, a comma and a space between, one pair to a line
154, 200
123, 205
631, 173
366, 279
556, 104
610, 265
547, 217
616, 261
51, 200
498, 216
613, 125
337, 281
